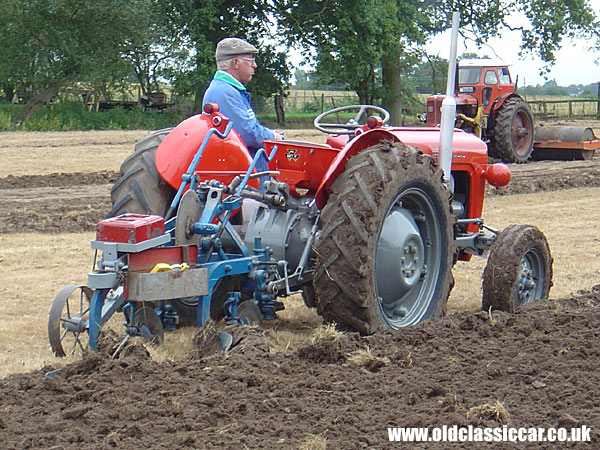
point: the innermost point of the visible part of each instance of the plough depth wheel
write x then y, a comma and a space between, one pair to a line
68, 320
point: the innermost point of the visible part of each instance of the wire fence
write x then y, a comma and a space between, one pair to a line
569, 109
307, 101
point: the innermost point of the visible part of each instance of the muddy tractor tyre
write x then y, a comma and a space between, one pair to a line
519, 269
386, 249
141, 190
513, 131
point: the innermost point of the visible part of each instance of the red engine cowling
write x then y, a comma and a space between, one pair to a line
222, 159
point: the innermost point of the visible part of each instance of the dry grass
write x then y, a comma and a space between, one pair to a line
27, 153
313, 442
365, 358
489, 411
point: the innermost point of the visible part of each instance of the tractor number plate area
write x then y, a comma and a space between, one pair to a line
144, 286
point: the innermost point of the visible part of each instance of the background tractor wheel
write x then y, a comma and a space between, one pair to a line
141, 190
513, 131
519, 269
386, 249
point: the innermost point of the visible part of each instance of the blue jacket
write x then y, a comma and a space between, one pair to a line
234, 102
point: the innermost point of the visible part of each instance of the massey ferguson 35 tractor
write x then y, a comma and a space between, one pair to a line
363, 226
367, 227
488, 106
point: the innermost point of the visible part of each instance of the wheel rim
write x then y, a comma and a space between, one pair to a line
408, 258
530, 279
68, 322
521, 133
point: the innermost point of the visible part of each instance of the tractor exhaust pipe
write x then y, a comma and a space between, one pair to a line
449, 106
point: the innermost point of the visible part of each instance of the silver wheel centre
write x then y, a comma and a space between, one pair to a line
407, 258
529, 279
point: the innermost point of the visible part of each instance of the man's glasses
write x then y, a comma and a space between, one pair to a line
251, 59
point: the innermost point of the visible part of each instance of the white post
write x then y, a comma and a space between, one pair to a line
449, 106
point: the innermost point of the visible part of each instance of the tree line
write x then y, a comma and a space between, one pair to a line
372, 47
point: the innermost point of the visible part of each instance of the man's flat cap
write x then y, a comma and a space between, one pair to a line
231, 47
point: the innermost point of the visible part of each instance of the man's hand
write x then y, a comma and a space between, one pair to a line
278, 135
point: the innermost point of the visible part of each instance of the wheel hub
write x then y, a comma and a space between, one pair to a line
527, 282
401, 257
75, 324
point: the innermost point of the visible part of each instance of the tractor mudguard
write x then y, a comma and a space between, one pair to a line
500, 101
221, 160
337, 166
469, 152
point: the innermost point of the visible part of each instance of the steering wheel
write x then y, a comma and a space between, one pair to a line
352, 124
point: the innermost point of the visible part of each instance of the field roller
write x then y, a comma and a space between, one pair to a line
564, 143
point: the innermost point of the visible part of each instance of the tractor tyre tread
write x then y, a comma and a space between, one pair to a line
351, 221
501, 271
149, 142
141, 190
503, 146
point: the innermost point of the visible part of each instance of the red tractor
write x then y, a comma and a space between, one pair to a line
369, 207
488, 106
364, 226
367, 227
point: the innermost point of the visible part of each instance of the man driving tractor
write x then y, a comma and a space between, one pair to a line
235, 67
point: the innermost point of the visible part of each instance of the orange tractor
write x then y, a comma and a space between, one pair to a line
488, 106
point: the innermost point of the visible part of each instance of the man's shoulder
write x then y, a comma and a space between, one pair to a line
220, 84
218, 90
222, 88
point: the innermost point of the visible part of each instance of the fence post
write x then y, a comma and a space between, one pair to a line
570, 109
598, 104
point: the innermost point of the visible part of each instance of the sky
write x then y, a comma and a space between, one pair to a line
575, 62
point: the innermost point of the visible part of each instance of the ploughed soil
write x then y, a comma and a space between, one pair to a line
539, 367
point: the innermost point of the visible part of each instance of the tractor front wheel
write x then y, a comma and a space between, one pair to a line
141, 190
513, 131
519, 269
386, 249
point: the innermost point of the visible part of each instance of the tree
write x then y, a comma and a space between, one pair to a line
201, 24
156, 51
355, 40
49, 43
348, 38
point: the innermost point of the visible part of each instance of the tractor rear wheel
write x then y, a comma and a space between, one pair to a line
519, 269
141, 190
386, 249
513, 131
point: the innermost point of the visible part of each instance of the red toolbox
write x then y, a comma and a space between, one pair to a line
130, 228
